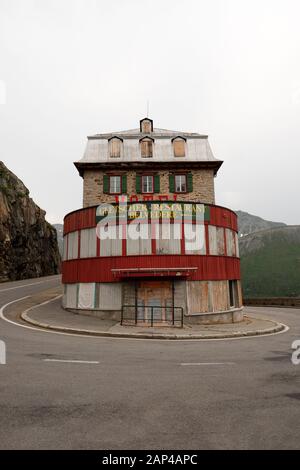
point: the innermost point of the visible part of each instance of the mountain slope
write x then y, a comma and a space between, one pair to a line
28, 243
249, 223
270, 262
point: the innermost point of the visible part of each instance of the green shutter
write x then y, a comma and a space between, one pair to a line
172, 183
156, 184
138, 184
105, 183
124, 184
189, 177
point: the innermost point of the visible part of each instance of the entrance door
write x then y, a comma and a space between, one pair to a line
156, 294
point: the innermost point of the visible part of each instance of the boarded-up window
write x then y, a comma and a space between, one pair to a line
167, 240
230, 242
146, 148
146, 126
220, 241
111, 246
109, 296
233, 293
141, 246
194, 239
70, 297
115, 148
88, 244
65, 245
213, 244
86, 295
237, 252
179, 147
73, 245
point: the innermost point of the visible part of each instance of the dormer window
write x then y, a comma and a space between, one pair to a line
179, 146
146, 125
115, 144
146, 147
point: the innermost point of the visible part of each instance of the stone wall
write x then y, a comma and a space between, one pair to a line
203, 187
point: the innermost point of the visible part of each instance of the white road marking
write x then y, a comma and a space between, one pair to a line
43, 330
71, 360
207, 363
25, 285
10, 303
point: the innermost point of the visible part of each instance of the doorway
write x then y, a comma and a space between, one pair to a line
155, 302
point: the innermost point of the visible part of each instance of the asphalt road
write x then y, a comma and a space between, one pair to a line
137, 394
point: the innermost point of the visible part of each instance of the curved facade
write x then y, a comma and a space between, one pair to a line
102, 276
161, 278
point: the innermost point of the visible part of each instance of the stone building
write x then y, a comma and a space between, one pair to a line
164, 278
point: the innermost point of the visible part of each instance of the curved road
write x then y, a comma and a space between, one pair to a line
130, 394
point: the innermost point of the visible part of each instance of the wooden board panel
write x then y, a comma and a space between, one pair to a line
88, 245
213, 245
220, 295
198, 297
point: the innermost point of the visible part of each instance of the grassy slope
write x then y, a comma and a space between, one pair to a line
272, 269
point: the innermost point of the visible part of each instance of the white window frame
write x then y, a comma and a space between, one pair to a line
182, 184
149, 186
113, 187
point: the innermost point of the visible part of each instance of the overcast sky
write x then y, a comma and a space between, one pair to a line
228, 68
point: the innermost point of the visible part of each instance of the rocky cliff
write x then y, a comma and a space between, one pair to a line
28, 243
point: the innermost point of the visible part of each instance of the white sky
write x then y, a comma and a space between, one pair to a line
228, 68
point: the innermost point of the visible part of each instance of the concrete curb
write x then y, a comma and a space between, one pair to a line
278, 327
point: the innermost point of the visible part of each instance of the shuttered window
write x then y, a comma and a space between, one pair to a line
115, 185
147, 184
177, 183
180, 184
179, 147
146, 148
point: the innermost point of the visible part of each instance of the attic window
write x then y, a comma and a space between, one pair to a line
179, 147
115, 147
146, 126
146, 147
